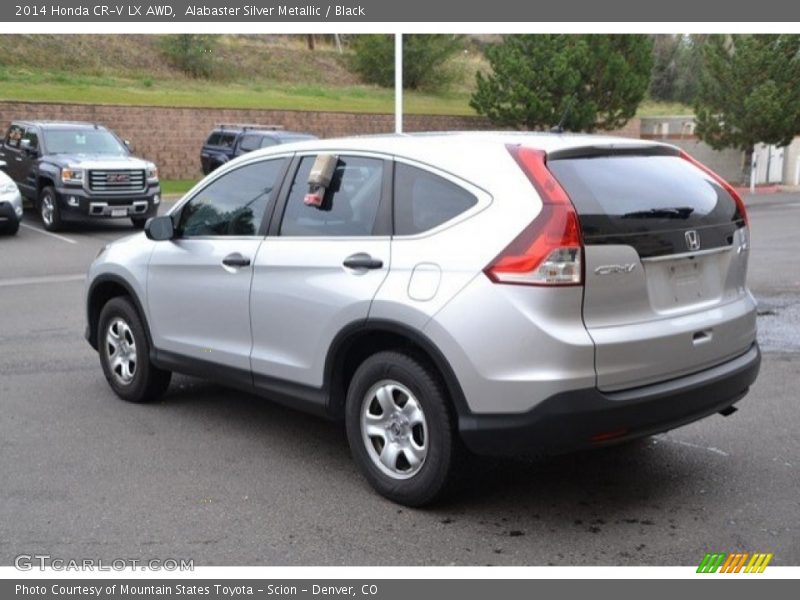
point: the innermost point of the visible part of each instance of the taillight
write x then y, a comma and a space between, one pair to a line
724, 184
549, 250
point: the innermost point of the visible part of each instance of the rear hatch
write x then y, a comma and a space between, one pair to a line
665, 263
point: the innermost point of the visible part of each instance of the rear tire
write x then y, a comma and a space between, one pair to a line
125, 354
402, 429
49, 210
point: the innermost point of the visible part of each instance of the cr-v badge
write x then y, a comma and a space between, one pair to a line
692, 240
609, 269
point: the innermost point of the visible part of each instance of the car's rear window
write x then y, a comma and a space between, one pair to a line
219, 138
639, 195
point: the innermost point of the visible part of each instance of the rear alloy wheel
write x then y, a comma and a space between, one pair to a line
48, 209
125, 354
401, 428
394, 430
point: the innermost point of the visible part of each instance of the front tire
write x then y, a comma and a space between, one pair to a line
402, 429
49, 210
138, 222
125, 354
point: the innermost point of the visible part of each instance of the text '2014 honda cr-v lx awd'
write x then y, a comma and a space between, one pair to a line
499, 294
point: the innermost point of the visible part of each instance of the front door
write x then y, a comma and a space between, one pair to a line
198, 289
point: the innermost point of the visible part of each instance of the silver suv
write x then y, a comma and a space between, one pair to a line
500, 294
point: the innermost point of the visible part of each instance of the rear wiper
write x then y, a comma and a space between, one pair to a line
678, 212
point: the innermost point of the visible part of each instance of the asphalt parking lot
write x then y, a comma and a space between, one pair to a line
228, 479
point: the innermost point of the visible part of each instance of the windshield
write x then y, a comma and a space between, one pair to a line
83, 141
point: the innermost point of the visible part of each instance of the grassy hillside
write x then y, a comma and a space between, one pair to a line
250, 71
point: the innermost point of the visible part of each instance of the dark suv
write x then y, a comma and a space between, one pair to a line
229, 141
74, 171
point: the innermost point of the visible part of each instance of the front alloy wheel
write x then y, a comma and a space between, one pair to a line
125, 353
121, 351
48, 209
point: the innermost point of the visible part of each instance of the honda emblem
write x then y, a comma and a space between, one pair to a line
692, 240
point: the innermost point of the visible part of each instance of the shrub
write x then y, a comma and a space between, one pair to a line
191, 53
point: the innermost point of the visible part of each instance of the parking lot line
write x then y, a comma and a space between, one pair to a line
55, 235
43, 279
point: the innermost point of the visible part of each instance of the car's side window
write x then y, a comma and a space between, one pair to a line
14, 135
32, 137
423, 200
233, 204
267, 141
249, 143
349, 206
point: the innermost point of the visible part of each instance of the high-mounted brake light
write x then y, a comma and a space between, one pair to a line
724, 184
549, 250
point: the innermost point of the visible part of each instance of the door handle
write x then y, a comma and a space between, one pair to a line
236, 260
362, 260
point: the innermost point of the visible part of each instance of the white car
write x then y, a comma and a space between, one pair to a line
10, 204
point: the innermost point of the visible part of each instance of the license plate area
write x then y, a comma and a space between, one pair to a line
119, 212
683, 282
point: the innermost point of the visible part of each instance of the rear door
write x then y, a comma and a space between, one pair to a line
666, 259
320, 268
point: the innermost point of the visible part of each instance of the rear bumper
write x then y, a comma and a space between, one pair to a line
589, 418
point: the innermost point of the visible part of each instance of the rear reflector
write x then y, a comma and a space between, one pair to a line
608, 435
549, 250
724, 184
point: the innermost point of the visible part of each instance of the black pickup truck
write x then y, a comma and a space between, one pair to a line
74, 171
226, 142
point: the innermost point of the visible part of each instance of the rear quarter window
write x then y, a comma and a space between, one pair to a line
423, 200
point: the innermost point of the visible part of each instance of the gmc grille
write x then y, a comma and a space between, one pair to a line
118, 180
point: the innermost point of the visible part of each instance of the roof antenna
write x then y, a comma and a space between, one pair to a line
560, 127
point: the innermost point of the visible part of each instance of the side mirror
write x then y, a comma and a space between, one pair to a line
160, 229
25, 146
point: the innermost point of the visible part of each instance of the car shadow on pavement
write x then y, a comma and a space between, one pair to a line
625, 484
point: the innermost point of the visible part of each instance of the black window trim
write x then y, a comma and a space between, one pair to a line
383, 218
175, 213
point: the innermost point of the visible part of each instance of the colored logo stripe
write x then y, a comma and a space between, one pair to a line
711, 563
735, 562
758, 563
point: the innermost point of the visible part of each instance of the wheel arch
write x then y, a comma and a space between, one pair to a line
44, 180
102, 289
358, 341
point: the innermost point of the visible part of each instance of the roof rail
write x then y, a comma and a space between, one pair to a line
246, 126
